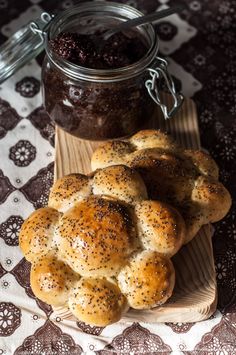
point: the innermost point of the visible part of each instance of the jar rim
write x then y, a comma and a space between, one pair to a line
101, 75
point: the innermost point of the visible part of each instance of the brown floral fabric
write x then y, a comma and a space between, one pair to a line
200, 47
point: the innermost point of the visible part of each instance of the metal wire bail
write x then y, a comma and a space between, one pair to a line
156, 74
35, 28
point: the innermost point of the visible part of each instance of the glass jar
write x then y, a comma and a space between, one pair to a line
100, 104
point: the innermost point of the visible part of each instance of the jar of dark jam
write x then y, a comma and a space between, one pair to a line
91, 100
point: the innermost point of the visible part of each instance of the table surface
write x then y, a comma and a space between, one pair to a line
200, 47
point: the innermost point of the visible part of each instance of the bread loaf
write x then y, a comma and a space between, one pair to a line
99, 239
186, 179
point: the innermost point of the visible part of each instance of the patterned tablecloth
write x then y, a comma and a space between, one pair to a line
200, 46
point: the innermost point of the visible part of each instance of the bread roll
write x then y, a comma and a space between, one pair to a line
185, 179
36, 237
97, 302
111, 153
90, 234
97, 237
51, 280
160, 227
148, 280
119, 182
212, 198
69, 190
152, 138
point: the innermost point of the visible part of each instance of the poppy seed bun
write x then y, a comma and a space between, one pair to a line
160, 227
212, 198
101, 222
69, 190
111, 153
36, 236
119, 182
185, 179
97, 236
148, 280
118, 151
97, 302
153, 139
51, 280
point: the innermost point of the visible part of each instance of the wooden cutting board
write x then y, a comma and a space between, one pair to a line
195, 294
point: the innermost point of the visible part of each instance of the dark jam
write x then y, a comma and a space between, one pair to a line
116, 52
97, 110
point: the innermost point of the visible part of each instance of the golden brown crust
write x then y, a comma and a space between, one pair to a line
37, 233
119, 182
110, 153
94, 238
51, 280
148, 280
160, 227
68, 190
97, 236
97, 302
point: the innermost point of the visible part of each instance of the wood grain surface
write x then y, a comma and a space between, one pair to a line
195, 295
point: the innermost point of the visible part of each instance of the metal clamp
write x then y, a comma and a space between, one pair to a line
39, 29
158, 73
